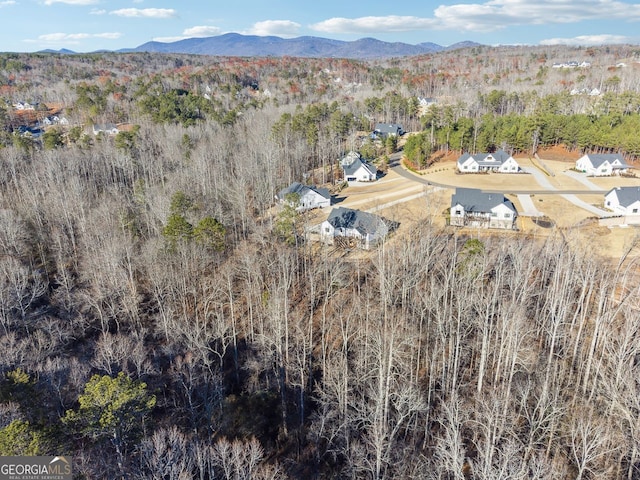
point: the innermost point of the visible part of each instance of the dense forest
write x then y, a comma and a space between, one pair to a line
157, 321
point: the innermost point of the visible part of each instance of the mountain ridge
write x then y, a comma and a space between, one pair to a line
235, 44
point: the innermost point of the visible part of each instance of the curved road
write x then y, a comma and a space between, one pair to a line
570, 195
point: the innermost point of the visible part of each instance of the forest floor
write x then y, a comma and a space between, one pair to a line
408, 201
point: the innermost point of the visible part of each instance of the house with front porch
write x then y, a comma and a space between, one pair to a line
471, 207
602, 165
499, 161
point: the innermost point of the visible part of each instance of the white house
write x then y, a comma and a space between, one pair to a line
623, 200
23, 106
106, 128
426, 101
305, 197
602, 165
366, 229
499, 161
471, 207
357, 169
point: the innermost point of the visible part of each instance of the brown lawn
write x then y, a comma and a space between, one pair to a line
408, 202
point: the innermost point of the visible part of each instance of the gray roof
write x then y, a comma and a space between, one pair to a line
101, 127
363, 222
481, 158
301, 189
386, 128
351, 168
626, 195
600, 158
474, 200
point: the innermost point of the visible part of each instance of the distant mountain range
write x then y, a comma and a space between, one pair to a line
235, 44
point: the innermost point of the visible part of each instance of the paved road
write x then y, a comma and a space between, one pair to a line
550, 190
530, 209
587, 206
523, 195
581, 177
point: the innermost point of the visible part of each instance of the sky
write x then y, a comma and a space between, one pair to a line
90, 25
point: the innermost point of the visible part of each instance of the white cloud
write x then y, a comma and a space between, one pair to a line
283, 28
588, 40
7, 3
71, 2
490, 15
74, 38
392, 23
201, 31
500, 13
145, 12
97, 11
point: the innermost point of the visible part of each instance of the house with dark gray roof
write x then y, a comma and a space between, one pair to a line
364, 228
602, 165
471, 207
304, 197
357, 169
383, 130
499, 161
623, 200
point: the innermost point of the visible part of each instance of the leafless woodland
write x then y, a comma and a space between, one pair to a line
435, 356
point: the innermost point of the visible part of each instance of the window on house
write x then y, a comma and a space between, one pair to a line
326, 229
507, 215
458, 212
608, 203
635, 210
494, 214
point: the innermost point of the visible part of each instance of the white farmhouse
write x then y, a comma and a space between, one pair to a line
471, 207
357, 169
305, 197
366, 229
623, 200
499, 161
602, 165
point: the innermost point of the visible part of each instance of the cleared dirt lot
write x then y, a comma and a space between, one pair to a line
407, 201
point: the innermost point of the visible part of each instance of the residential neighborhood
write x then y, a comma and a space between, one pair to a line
274, 291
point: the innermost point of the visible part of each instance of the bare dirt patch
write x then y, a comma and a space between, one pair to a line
559, 153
